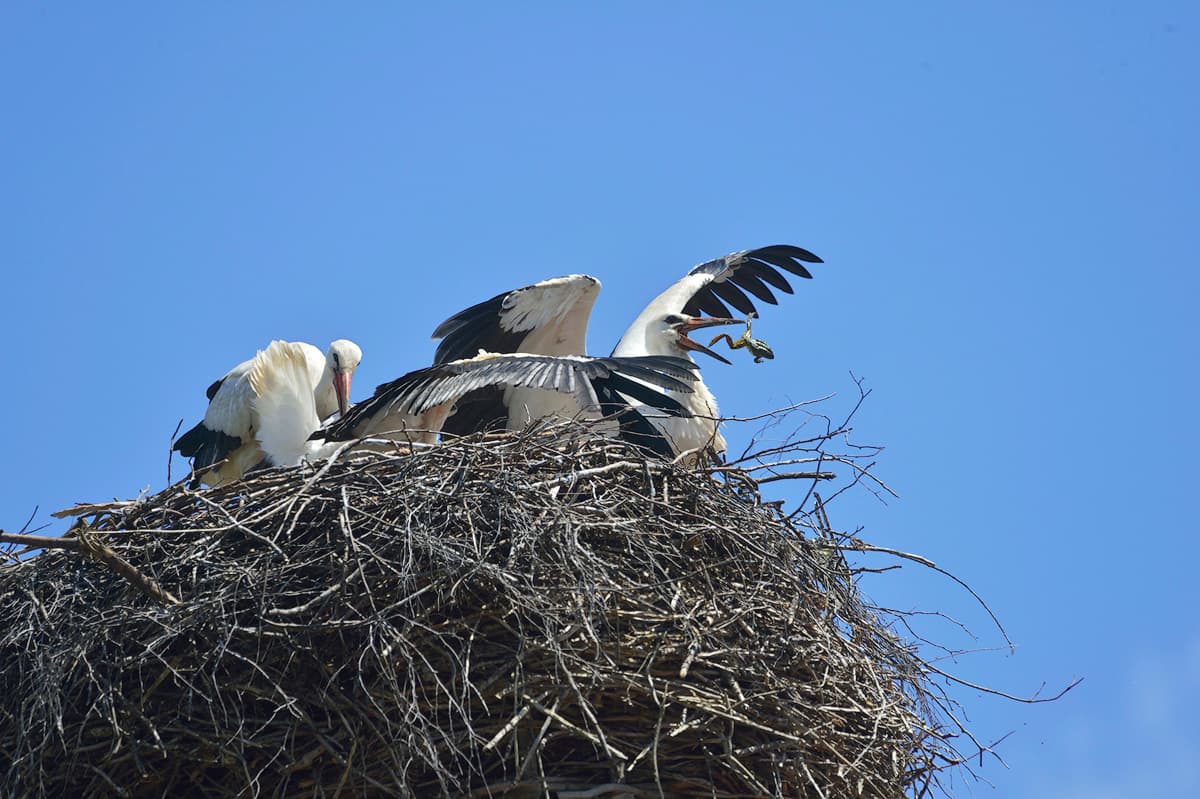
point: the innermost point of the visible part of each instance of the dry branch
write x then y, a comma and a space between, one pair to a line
87, 544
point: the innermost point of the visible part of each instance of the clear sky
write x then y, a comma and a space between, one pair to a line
1007, 196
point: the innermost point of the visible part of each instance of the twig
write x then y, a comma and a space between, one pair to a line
859, 546
87, 544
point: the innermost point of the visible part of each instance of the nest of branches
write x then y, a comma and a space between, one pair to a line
509, 616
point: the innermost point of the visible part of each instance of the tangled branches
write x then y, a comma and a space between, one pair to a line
490, 617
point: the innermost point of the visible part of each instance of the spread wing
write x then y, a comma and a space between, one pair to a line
728, 280
712, 286
548, 318
593, 382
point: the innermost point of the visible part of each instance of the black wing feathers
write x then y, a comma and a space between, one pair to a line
765, 275
205, 447
634, 427
785, 256
665, 371
642, 393
214, 388
752, 271
470, 329
481, 410
734, 296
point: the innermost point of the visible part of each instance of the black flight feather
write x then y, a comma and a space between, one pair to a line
214, 388
475, 328
751, 270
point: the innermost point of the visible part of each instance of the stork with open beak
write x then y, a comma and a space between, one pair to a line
225, 445
696, 433
551, 317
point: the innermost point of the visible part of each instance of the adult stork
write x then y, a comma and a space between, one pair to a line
225, 445
554, 313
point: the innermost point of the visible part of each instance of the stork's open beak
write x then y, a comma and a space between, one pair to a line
341, 387
697, 323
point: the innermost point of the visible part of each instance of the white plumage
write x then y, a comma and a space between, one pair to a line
284, 402
225, 445
667, 334
551, 317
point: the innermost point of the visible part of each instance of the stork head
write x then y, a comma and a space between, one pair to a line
342, 359
673, 330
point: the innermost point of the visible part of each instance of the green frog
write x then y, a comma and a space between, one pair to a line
758, 348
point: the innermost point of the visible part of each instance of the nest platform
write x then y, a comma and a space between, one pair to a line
504, 617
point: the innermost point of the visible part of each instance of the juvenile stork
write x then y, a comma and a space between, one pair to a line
554, 313
225, 445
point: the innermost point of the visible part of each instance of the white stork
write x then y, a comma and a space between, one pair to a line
555, 313
225, 445
667, 334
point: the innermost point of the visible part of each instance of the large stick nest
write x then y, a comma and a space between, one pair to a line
509, 616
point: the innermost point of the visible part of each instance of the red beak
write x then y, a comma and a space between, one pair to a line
341, 387
698, 323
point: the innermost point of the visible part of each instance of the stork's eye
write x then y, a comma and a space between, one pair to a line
673, 319
337, 362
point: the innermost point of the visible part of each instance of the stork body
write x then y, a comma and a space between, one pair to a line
225, 445
513, 322
696, 434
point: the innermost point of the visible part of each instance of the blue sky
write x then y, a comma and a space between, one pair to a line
1006, 196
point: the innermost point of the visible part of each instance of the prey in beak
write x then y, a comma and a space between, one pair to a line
690, 323
757, 347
